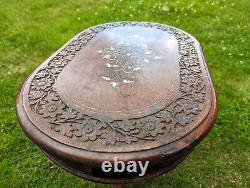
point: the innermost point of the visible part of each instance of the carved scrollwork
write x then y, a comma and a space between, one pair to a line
68, 122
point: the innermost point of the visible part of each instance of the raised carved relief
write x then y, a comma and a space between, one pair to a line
45, 102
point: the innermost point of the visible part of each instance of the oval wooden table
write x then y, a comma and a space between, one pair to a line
127, 91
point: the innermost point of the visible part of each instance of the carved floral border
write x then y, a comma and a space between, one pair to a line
45, 102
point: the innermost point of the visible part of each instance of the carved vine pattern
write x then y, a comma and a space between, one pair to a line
68, 122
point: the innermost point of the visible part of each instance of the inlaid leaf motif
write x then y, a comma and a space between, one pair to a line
124, 61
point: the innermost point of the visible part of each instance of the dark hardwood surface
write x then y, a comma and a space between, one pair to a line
133, 90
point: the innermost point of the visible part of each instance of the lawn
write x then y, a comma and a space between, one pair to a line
30, 31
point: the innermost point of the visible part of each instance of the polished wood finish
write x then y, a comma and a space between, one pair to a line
133, 90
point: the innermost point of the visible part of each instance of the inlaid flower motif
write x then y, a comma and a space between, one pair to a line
52, 109
125, 60
91, 129
41, 84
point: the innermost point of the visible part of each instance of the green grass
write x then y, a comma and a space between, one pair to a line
30, 31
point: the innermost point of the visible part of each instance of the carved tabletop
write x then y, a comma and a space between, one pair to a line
132, 90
